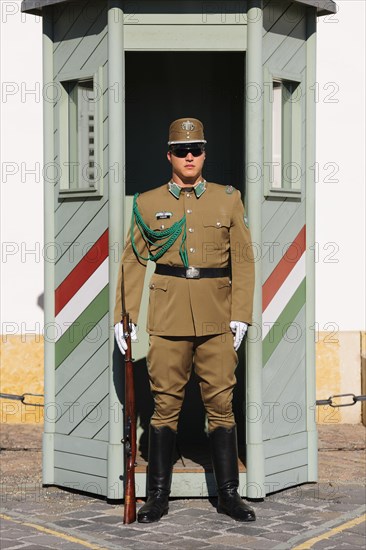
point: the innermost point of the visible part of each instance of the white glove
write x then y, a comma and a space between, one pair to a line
120, 339
239, 329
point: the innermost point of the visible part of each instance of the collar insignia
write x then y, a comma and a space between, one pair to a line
199, 188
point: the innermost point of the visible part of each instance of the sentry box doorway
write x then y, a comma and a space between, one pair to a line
115, 75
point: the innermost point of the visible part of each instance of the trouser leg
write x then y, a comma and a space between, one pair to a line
215, 362
169, 364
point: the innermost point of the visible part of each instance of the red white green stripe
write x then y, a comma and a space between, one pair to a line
283, 294
82, 299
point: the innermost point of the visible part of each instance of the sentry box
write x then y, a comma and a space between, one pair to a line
116, 74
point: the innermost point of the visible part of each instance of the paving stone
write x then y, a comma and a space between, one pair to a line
250, 529
354, 538
202, 534
326, 544
189, 544
171, 528
155, 537
184, 519
71, 523
9, 532
360, 529
83, 514
278, 536
108, 519
6, 543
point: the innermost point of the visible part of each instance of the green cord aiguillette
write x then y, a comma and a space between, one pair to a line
169, 235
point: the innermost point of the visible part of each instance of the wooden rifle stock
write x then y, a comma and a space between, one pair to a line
129, 515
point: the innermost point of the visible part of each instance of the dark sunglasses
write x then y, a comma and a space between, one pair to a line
182, 152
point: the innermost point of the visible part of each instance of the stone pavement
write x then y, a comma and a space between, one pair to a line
326, 515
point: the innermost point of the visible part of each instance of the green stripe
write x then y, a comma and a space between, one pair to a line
287, 316
82, 326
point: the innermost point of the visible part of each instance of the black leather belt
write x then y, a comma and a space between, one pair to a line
192, 272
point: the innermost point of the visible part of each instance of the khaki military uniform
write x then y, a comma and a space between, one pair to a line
188, 319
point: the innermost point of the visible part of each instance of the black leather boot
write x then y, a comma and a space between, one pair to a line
224, 450
159, 476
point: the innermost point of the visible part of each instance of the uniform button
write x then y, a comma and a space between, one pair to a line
218, 224
192, 250
191, 229
189, 211
162, 227
152, 286
188, 195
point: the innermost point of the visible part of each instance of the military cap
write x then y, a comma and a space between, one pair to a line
186, 130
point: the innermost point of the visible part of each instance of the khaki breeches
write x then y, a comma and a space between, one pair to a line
169, 362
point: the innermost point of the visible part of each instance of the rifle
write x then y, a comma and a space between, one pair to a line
129, 440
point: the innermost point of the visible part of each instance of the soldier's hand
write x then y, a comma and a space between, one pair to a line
239, 329
119, 335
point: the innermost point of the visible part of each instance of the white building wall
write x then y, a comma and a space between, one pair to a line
340, 209
21, 151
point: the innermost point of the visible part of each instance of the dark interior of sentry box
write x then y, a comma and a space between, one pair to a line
161, 87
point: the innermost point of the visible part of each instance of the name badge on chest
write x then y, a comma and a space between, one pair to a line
163, 215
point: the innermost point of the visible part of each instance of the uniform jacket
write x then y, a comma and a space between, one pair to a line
217, 236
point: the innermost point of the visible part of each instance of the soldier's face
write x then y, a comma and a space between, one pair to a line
188, 168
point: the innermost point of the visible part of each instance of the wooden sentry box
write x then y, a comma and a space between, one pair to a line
115, 75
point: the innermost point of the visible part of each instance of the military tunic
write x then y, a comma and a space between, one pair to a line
217, 236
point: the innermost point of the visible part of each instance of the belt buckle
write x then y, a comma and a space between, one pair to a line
193, 273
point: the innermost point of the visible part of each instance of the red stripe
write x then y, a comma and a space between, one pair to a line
81, 272
283, 268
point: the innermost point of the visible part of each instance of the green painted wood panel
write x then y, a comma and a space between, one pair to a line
284, 445
103, 433
185, 37
278, 373
64, 211
80, 446
280, 231
80, 463
74, 241
64, 21
84, 407
284, 429
285, 479
297, 458
82, 364
96, 419
278, 369
85, 36
80, 481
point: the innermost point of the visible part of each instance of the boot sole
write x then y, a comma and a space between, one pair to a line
144, 519
220, 511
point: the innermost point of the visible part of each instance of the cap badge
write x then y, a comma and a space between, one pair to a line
188, 126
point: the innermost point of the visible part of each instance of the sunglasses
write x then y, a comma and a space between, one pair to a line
182, 152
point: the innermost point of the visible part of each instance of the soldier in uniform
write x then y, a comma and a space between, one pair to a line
200, 304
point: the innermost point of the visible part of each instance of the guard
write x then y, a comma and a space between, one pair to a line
200, 305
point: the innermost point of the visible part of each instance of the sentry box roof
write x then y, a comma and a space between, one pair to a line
324, 7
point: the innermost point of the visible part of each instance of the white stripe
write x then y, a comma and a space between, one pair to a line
282, 296
71, 311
